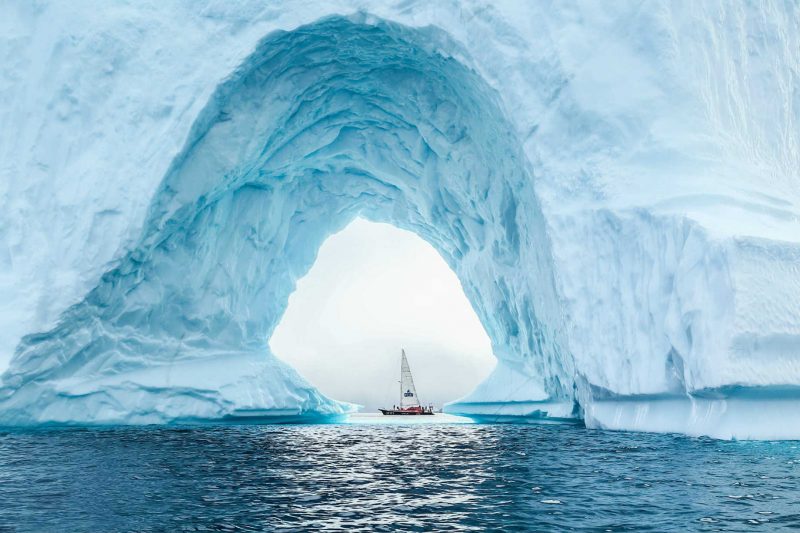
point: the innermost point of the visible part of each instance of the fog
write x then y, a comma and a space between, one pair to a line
373, 290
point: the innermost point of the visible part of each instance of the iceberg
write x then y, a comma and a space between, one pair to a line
615, 187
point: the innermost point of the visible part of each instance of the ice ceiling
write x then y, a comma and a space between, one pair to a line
617, 317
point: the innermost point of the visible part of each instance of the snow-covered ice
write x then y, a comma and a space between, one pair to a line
616, 187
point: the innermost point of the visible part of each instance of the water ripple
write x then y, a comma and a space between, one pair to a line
418, 477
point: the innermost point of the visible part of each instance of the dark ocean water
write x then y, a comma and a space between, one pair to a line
421, 477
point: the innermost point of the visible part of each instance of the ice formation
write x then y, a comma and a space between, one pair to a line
615, 186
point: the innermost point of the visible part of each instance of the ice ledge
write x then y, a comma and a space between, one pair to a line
541, 412
244, 387
513, 394
737, 412
743, 413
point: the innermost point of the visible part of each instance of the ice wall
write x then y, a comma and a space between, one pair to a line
646, 279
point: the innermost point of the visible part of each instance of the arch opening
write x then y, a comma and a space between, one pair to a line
346, 117
372, 290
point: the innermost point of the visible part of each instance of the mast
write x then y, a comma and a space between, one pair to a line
408, 393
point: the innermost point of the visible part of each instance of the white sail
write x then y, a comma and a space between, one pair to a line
408, 393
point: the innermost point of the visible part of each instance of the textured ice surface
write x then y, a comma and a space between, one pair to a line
615, 186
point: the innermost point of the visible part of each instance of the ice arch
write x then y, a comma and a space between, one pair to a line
342, 118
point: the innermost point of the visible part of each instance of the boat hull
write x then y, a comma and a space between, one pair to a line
398, 412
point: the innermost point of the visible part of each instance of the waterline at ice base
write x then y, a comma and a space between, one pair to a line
615, 186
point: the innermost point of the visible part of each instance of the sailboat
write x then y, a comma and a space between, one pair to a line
409, 402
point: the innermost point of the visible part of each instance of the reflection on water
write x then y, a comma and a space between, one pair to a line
377, 418
387, 475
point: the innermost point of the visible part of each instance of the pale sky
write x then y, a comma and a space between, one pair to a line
374, 289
